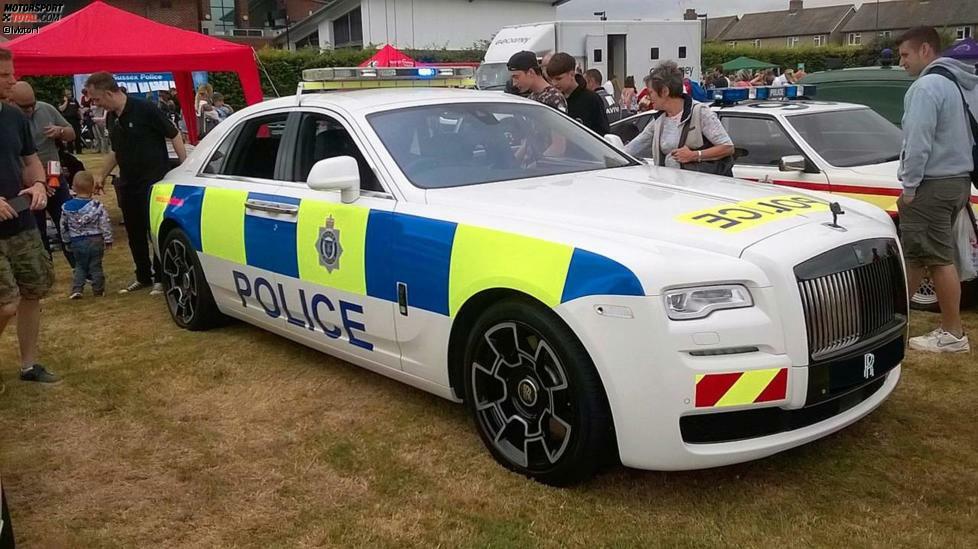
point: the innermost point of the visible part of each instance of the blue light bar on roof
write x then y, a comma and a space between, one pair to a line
731, 95
426, 72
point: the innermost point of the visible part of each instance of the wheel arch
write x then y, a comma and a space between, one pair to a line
465, 319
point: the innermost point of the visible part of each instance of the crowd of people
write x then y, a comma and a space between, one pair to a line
40, 177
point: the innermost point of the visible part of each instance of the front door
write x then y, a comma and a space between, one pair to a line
334, 256
760, 143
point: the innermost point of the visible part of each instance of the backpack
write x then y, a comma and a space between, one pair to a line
967, 112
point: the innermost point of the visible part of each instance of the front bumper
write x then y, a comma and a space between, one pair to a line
650, 377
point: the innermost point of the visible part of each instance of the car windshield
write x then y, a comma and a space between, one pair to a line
850, 138
492, 76
451, 145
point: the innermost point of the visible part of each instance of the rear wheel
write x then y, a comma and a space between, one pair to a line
535, 395
188, 296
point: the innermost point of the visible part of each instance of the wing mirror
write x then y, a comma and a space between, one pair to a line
615, 141
340, 173
793, 163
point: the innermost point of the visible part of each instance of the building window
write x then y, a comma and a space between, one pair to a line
885, 35
655, 53
682, 52
732, 44
793, 41
855, 38
757, 43
348, 30
819, 40
962, 32
222, 15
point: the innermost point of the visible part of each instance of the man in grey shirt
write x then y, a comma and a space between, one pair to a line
935, 171
48, 127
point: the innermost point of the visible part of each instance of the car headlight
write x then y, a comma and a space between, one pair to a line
700, 302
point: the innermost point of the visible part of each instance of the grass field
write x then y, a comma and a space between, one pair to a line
236, 437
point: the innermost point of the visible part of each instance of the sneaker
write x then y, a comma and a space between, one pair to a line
940, 341
39, 374
134, 287
75, 295
157, 289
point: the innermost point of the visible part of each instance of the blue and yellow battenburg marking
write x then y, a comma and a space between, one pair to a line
442, 263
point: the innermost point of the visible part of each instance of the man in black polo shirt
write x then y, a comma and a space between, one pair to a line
583, 104
138, 131
26, 273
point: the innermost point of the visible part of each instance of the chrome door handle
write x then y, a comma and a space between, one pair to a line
272, 207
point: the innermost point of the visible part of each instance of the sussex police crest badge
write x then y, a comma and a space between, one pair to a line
329, 246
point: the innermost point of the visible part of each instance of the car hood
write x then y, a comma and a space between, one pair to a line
664, 205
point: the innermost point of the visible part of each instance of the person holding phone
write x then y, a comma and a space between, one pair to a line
26, 273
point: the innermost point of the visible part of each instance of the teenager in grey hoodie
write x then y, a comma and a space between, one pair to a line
935, 172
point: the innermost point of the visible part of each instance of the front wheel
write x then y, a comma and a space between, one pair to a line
536, 398
188, 296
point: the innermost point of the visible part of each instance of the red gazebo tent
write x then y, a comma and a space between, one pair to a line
100, 37
389, 56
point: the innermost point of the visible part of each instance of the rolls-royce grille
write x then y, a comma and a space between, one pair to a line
851, 294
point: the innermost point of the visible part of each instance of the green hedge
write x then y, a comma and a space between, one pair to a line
813, 58
49, 89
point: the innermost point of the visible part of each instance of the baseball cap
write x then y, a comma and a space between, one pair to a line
523, 61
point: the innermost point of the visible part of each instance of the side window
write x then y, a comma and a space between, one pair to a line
322, 137
220, 156
254, 151
630, 129
760, 141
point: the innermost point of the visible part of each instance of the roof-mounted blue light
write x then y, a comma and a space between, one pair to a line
731, 96
427, 72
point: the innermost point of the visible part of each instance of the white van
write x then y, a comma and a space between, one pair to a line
616, 48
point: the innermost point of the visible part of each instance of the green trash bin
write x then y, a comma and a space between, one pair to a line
880, 88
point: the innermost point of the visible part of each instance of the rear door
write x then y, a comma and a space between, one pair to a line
760, 144
241, 219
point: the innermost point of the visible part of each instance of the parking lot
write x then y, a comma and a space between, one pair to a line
238, 437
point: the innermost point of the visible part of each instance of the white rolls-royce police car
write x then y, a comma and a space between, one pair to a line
491, 250
840, 148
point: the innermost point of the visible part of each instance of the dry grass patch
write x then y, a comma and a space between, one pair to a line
238, 438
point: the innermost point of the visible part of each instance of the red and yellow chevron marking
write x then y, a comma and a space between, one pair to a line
737, 388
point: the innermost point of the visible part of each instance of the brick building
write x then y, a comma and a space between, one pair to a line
253, 22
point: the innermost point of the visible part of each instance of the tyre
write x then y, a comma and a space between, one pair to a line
536, 398
6, 528
188, 296
926, 297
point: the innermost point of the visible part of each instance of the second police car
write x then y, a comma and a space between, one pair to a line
792, 141
490, 250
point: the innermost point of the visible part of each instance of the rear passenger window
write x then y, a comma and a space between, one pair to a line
254, 150
761, 140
